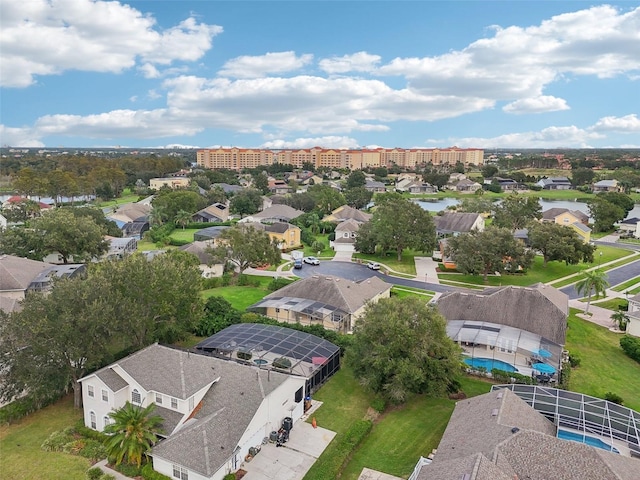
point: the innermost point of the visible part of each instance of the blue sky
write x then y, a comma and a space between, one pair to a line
296, 74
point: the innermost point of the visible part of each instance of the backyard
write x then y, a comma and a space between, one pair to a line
241, 297
604, 367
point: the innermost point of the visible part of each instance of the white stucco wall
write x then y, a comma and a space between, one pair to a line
96, 404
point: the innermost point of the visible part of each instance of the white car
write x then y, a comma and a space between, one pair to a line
373, 265
311, 260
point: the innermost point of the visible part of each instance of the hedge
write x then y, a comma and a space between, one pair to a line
631, 346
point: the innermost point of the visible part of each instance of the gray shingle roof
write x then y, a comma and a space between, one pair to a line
111, 379
455, 222
346, 212
280, 212
207, 441
344, 294
17, 273
538, 309
199, 249
349, 225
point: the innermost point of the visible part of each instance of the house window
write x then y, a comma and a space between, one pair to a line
191, 401
90, 390
135, 397
106, 420
92, 420
174, 403
105, 395
298, 397
180, 473
159, 398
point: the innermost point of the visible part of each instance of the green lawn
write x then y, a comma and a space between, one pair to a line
185, 234
20, 453
241, 297
127, 197
406, 265
621, 287
539, 273
611, 304
326, 253
604, 367
399, 437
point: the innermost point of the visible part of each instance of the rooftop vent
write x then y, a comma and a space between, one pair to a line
494, 412
515, 430
499, 396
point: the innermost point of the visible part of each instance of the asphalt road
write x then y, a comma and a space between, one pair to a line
357, 272
615, 276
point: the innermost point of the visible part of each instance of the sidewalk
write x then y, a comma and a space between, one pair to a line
117, 475
598, 315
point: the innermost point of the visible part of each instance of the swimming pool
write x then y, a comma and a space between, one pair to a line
260, 361
586, 439
490, 364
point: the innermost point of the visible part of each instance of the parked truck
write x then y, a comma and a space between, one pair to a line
297, 256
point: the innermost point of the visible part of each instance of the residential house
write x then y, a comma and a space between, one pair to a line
467, 186
279, 187
345, 212
217, 212
345, 236
19, 275
333, 302
506, 184
312, 180
274, 213
404, 180
501, 436
633, 328
121, 247
207, 266
227, 188
606, 186
630, 226
575, 219
510, 324
456, 223
132, 219
213, 410
16, 200
286, 234
554, 183
375, 186
171, 182
456, 177
421, 187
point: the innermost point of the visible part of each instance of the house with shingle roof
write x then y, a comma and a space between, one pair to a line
575, 219
213, 410
554, 183
345, 236
208, 266
606, 186
274, 213
217, 212
511, 324
333, 302
132, 219
456, 223
499, 436
345, 212
286, 234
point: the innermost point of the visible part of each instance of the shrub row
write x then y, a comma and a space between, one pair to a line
631, 347
508, 377
564, 376
73, 442
22, 407
331, 462
96, 473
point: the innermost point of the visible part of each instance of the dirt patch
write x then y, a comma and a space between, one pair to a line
372, 415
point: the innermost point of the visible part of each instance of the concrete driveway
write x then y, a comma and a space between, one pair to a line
294, 459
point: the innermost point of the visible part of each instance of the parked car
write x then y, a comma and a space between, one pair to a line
373, 265
297, 263
311, 260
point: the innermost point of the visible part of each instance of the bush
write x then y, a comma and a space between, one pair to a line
87, 432
243, 280
127, 469
631, 347
94, 473
22, 407
318, 246
226, 279
242, 355
614, 398
94, 450
57, 440
565, 376
277, 284
108, 476
575, 360
511, 377
282, 362
379, 404
229, 476
212, 282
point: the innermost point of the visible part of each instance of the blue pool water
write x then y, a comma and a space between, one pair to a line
490, 364
260, 361
592, 441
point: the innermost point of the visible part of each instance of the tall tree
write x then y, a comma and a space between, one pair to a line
55, 340
559, 242
475, 204
356, 179
493, 250
246, 202
620, 320
261, 183
400, 347
326, 198
605, 214
397, 224
182, 218
244, 246
592, 282
357, 197
172, 201
582, 176
516, 211
132, 433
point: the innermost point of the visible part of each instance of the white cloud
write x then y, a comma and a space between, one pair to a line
39, 37
357, 62
541, 104
262, 65
149, 71
327, 142
19, 137
627, 124
133, 98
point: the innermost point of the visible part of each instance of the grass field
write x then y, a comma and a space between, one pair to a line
621, 287
604, 367
241, 297
398, 438
407, 265
612, 304
326, 253
539, 273
183, 234
20, 453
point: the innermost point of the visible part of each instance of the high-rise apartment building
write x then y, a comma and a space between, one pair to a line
239, 158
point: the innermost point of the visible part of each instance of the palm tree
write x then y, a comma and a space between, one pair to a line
182, 218
593, 281
620, 320
133, 433
157, 216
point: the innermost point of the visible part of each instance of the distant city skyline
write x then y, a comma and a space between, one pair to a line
298, 74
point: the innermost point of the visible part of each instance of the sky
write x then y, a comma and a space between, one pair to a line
335, 74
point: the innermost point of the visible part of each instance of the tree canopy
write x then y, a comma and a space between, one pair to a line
246, 202
592, 282
357, 197
560, 243
327, 198
400, 347
173, 201
245, 246
397, 224
493, 250
605, 214
516, 211
356, 179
